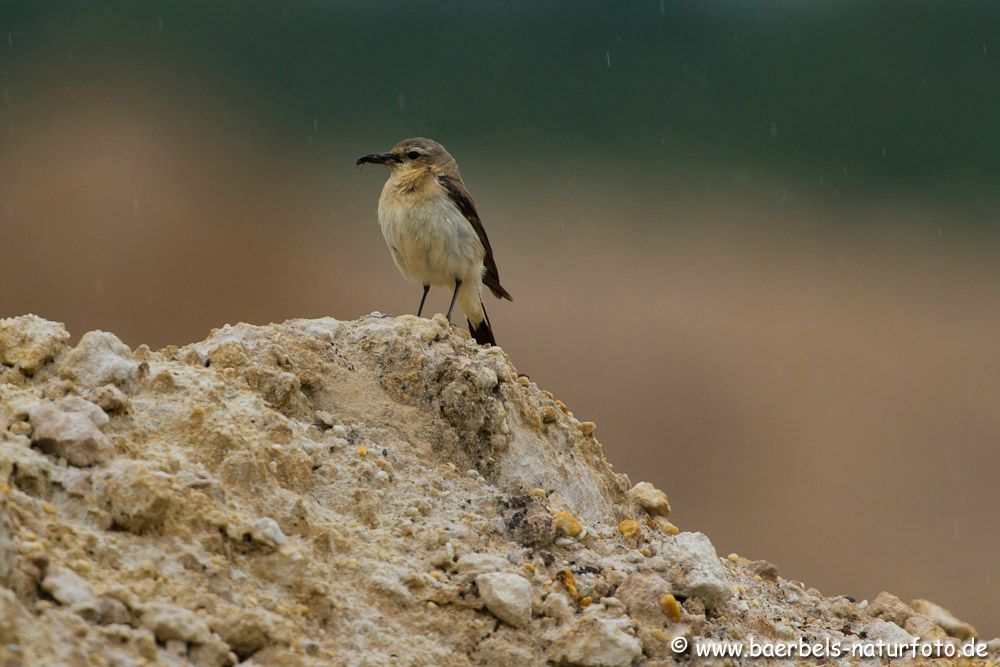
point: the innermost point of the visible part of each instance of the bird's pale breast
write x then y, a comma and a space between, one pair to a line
431, 241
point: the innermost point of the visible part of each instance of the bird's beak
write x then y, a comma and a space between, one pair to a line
378, 158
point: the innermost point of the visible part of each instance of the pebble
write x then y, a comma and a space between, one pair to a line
507, 596
651, 499
267, 531
567, 524
594, 641
694, 569
28, 342
68, 588
71, 428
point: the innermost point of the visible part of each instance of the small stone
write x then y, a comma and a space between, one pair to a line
70, 428
266, 531
945, 619
671, 607
110, 399
567, 524
891, 608
643, 593
170, 622
594, 641
557, 606
651, 499
764, 570
67, 587
630, 530
587, 428
100, 358
694, 569
29, 342
663, 525
569, 581
507, 596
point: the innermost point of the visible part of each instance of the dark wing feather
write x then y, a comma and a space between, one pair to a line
460, 197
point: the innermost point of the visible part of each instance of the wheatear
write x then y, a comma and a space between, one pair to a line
433, 230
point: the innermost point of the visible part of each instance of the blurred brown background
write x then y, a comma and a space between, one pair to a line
757, 247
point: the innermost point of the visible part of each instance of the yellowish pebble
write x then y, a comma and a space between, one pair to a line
630, 529
587, 428
733, 558
538, 493
49, 509
670, 607
567, 524
362, 452
585, 601
4, 487
567, 579
660, 634
529, 567
665, 526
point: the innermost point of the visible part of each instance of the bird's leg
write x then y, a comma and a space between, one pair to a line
458, 284
422, 299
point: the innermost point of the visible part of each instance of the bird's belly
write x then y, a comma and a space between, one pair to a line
432, 243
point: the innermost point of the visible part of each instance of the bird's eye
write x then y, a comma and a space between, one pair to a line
413, 155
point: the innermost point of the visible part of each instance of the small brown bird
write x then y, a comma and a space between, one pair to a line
433, 230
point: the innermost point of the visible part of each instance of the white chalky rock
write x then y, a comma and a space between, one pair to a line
71, 428
693, 569
594, 641
100, 358
507, 596
267, 531
68, 588
650, 498
28, 342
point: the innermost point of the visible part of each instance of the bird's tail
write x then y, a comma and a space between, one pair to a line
483, 333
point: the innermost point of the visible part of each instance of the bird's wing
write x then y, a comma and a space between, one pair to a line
460, 197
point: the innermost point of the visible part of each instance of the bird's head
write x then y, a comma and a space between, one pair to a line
414, 156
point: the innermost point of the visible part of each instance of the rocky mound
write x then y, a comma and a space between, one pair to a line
375, 492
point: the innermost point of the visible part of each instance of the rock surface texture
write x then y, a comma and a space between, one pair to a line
374, 492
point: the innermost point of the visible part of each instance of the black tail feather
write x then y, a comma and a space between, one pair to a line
484, 332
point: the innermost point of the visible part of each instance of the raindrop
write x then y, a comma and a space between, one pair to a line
774, 130
135, 205
822, 182
843, 168
10, 39
401, 102
69, 55
663, 8
885, 153
986, 51
562, 224
315, 125
607, 54
159, 23
940, 234
309, 138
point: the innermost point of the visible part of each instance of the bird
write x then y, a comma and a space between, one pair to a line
433, 230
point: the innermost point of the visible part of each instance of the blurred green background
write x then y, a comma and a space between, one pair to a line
756, 242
